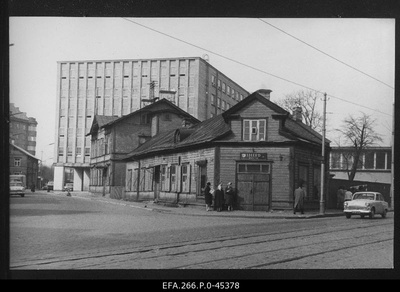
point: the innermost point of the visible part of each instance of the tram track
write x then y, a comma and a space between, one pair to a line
176, 250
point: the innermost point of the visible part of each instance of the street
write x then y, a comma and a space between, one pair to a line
51, 232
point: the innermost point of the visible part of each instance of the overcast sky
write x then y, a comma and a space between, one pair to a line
250, 51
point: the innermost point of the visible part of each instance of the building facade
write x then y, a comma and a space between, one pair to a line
375, 164
22, 130
113, 138
256, 145
23, 162
119, 87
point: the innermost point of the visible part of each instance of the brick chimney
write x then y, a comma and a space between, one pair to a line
265, 92
297, 114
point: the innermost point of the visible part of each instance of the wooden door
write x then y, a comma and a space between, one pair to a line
253, 186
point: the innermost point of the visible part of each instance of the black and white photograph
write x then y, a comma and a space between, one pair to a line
174, 146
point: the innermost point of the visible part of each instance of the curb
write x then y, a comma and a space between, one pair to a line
172, 210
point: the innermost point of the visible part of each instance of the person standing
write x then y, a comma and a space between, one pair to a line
340, 197
348, 195
219, 198
208, 196
299, 195
229, 193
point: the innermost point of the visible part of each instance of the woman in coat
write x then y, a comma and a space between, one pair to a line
219, 198
208, 196
299, 195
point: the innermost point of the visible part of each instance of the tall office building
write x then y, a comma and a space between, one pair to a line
119, 87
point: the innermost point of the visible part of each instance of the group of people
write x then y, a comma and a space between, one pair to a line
221, 197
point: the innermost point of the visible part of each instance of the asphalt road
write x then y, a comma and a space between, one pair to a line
49, 232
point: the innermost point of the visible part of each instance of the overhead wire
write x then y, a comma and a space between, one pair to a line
322, 52
249, 66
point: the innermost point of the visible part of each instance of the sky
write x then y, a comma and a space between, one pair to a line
351, 60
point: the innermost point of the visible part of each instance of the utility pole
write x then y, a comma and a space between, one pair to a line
322, 199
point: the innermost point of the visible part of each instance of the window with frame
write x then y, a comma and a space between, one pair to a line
17, 161
148, 179
213, 80
185, 170
173, 182
212, 99
254, 130
163, 173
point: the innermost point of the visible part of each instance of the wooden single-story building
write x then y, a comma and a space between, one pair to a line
257, 145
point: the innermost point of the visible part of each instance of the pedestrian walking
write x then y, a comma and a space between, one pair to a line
219, 198
229, 194
299, 195
348, 195
208, 196
340, 197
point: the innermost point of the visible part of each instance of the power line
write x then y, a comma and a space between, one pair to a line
248, 66
326, 54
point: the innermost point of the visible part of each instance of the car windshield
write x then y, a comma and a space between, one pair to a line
364, 196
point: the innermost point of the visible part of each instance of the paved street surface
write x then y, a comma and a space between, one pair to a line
50, 231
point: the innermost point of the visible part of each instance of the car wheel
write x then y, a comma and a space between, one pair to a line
384, 213
372, 214
348, 215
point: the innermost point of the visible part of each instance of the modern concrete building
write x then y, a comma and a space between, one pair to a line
119, 87
22, 130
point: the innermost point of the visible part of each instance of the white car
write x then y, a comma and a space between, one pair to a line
17, 188
366, 203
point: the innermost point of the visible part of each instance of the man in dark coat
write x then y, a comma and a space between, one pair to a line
208, 196
229, 193
219, 198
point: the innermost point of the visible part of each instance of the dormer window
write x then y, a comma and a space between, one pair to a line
254, 130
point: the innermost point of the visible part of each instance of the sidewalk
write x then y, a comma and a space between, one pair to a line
195, 210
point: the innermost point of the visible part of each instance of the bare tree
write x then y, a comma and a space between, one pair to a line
307, 100
358, 133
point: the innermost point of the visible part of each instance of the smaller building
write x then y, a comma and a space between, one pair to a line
113, 138
374, 166
257, 145
22, 130
23, 162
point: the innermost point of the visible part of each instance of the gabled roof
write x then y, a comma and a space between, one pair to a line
162, 105
100, 121
295, 129
251, 98
24, 151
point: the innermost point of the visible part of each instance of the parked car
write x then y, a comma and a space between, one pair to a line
366, 203
17, 188
50, 186
68, 187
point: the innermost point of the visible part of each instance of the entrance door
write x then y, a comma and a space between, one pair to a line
253, 185
202, 179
